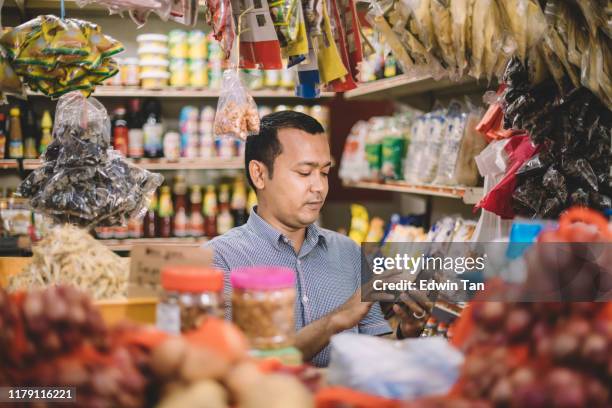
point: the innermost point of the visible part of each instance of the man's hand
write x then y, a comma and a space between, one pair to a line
413, 312
350, 313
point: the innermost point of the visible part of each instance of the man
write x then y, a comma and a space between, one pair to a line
288, 164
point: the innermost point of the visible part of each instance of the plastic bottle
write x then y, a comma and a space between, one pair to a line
15, 135
135, 132
196, 220
165, 212
120, 132
153, 130
150, 218
238, 205
209, 208
46, 124
2, 136
225, 221
180, 220
30, 135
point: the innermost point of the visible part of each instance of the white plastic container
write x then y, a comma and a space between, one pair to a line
160, 40
154, 80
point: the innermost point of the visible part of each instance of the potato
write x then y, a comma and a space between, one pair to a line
168, 356
203, 394
276, 391
202, 364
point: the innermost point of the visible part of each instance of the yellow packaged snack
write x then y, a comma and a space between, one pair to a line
328, 57
64, 37
9, 81
359, 223
14, 39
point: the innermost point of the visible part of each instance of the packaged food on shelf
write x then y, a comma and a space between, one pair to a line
262, 305
190, 295
82, 180
154, 80
154, 40
130, 72
179, 73
68, 255
198, 45
198, 73
152, 52
172, 146
153, 66
178, 47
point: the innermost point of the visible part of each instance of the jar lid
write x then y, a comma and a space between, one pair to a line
263, 278
191, 279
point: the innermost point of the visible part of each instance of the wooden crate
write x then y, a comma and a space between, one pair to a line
140, 310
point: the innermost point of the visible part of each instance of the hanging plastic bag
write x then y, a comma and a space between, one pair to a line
139, 10
219, 16
83, 181
236, 114
456, 121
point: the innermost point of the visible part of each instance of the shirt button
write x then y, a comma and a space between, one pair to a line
299, 262
305, 299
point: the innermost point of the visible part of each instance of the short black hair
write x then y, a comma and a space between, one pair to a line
265, 146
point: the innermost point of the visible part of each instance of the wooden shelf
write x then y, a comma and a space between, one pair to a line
152, 164
469, 195
135, 92
126, 245
404, 85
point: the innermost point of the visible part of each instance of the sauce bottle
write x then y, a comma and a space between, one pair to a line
165, 212
120, 132
239, 202
31, 134
2, 136
153, 130
225, 221
196, 220
150, 218
15, 135
180, 221
209, 208
135, 133
46, 124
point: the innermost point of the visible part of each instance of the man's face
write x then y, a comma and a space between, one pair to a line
298, 187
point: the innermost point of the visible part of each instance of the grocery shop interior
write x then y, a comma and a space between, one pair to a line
302, 203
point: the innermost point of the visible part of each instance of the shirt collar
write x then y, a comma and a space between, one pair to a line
271, 234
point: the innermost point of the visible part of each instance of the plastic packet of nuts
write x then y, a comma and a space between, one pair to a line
236, 114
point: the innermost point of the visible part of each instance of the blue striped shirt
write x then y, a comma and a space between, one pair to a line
328, 271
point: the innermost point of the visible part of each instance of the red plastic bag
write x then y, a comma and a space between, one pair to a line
499, 200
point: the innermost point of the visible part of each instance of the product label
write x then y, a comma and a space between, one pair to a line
225, 222
196, 225
168, 318
153, 138
136, 143
16, 149
180, 223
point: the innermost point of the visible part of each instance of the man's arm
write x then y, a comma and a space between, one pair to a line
314, 337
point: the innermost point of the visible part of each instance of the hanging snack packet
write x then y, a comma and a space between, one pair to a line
259, 45
219, 17
236, 114
347, 82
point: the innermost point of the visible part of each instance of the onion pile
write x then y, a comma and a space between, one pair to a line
539, 355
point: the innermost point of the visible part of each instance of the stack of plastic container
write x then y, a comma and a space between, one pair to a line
153, 56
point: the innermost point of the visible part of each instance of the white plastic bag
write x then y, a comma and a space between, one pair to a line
405, 369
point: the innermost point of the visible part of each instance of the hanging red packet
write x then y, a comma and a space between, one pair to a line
347, 82
353, 39
259, 46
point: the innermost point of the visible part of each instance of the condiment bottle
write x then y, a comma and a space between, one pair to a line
120, 132
238, 205
262, 305
153, 130
165, 212
180, 220
209, 208
225, 221
30, 136
2, 136
196, 220
150, 218
15, 135
135, 132
46, 124
190, 295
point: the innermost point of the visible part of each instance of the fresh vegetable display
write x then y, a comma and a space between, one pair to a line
56, 56
83, 181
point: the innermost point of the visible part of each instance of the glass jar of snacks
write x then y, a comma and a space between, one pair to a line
190, 295
263, 302
178, 47
130, 72
179, 73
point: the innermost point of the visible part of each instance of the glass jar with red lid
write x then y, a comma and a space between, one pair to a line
190, 294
